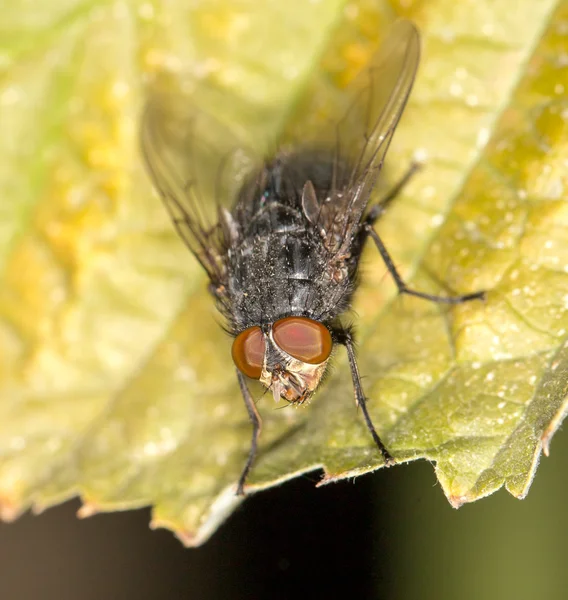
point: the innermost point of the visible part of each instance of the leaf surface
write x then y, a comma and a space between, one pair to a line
117, 382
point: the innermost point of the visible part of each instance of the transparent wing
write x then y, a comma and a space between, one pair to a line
358, 123
198, 166
365, 133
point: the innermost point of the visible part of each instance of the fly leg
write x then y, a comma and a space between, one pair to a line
345, 337
256, 427
378, 209
403, 288
367, 230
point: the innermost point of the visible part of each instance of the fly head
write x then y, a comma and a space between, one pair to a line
289, 357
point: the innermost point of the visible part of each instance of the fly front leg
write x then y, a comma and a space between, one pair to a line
345, 337
256, 427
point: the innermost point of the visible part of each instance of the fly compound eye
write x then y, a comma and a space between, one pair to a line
304, 339
248, 352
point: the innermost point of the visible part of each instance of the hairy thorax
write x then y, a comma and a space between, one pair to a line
282, 267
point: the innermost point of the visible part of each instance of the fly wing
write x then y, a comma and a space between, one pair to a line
357, 128
197, 165
365, 132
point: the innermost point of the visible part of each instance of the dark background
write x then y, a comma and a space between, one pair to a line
391, 534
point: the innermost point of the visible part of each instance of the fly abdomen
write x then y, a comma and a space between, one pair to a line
273, 218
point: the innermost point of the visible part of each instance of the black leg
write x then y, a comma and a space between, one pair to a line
403, 288
256, 426
345, 337
378, 209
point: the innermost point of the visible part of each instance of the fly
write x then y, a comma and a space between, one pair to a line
282, 248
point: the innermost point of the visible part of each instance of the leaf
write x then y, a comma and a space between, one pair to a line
116, 380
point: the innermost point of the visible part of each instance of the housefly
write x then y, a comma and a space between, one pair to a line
283, 243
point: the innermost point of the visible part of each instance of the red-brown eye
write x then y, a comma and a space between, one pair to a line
248, 352
304, 339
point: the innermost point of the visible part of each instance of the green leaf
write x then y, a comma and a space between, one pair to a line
116, 380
